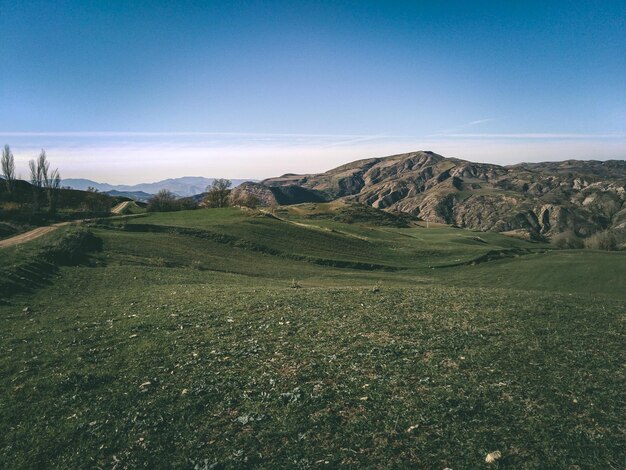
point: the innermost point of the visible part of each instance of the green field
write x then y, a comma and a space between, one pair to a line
222, 338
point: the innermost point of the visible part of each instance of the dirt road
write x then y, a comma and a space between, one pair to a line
120, 207
40, 231
31, 235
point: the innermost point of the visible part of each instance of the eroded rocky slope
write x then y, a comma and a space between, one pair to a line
539, 198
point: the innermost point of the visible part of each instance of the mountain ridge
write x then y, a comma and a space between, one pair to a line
539, 199
184, 186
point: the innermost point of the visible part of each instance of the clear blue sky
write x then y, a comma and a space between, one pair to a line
252, 89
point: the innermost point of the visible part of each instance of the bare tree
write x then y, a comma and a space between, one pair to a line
34, 174
41, 177
163, 201
35, 180
8, 167
39, 170
53, 184
217, 193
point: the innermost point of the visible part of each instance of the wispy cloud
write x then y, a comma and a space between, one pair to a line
172, 134
538, 136
480, 121
366, 138
465, 126
131, 157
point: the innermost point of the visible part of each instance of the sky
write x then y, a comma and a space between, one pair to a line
129, 92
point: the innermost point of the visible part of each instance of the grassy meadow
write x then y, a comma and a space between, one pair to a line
228, 338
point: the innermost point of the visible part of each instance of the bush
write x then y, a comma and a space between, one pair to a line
166, 201
217, 193
244, 200
607, 241
12, 207
95, 203
187, 203
163, 201
198, 265
567, 241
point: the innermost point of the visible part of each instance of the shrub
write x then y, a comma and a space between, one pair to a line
217, 193
12, 206
198, 265
163, 201
159, 262
244, 200
187, 203
166, 201
95, 203
606, 240
567, 241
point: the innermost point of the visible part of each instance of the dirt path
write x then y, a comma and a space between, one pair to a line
120, 207
40, 231
31, 235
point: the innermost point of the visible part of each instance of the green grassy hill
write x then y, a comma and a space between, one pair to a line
224, 338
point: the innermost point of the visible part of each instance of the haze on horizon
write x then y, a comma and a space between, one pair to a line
128, 93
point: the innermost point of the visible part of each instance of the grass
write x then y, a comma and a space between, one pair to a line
184, 349
566, 271
24, 267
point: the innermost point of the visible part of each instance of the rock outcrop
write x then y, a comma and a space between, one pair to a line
279, 195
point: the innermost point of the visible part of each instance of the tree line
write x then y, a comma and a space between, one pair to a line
218, 194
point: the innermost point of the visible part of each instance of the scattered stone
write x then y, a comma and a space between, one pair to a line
493, 456
26, 310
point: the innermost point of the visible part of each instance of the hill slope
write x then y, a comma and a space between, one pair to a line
538, 198
245, 339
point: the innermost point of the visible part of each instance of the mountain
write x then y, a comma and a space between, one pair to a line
135, 195
184, 187
533, 199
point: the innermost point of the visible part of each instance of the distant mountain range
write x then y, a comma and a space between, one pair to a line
184, 187
136, 195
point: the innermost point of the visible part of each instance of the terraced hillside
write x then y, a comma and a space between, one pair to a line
316, 335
